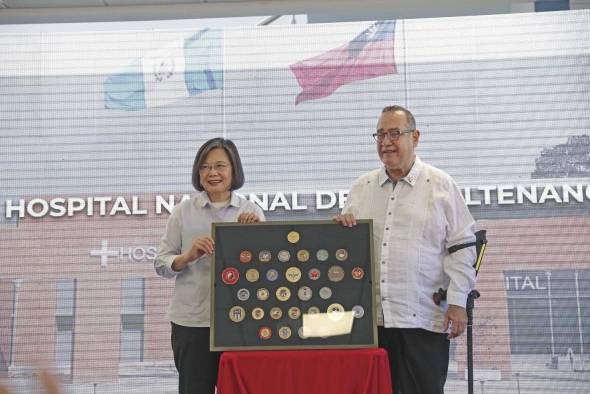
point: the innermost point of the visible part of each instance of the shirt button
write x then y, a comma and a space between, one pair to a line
392, 198
382, 281
413, 314
386, 228
389, 213
384, 243
383, 262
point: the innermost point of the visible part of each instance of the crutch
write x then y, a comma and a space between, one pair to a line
441, 295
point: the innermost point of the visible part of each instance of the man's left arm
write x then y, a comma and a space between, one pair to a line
458, 266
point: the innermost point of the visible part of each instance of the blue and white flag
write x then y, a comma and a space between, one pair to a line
185, 68
204, 61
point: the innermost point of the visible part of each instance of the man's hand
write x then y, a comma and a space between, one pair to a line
347, 219
456, 320
248, 217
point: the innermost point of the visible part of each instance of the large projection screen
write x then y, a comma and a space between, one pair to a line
99, 129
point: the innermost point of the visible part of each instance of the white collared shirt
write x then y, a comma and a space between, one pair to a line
189, 219
415, 221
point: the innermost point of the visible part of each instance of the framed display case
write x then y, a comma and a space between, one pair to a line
292, 285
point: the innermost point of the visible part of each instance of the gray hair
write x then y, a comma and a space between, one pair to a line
409, 117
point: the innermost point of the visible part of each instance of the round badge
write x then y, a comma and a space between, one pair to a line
303, 255
283, 293
304, 293
230, 275
358, 311
300, 333
335, 273
293, 237
272, 275
284, 256
237, 314
314, 274
314, 310
276, 313
335, 308
322, 255
358, 273
243, 294
335, 311
284, 332
341, 254
257, 313
262, 294
245, 256
294, 313
264, 256
252, 275
293, 274
264, 333
325, 293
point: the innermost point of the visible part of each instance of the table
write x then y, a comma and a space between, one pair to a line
338, 371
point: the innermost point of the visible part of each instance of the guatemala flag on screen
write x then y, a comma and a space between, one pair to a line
164, 76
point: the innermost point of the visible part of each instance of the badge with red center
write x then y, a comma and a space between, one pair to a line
230, 276
314, 274
358, 273
264, 332
245, 256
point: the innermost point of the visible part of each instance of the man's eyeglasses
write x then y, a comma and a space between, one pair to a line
393, 135
219, 167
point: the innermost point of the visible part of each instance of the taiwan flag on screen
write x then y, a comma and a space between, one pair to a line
368, 55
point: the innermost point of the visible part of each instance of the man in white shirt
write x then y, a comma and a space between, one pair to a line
418, 214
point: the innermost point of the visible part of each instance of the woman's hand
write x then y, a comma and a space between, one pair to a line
248, 217
200, 246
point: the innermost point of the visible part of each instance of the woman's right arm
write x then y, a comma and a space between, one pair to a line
170, 260
199, 247
170, 247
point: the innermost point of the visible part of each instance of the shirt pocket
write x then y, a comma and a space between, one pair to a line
409, 219
434, 228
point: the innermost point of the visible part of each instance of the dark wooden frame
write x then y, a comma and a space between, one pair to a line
232, 238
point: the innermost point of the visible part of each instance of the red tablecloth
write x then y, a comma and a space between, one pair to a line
354, 371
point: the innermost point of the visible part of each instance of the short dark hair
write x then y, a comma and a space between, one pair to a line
237, 171
409, 117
